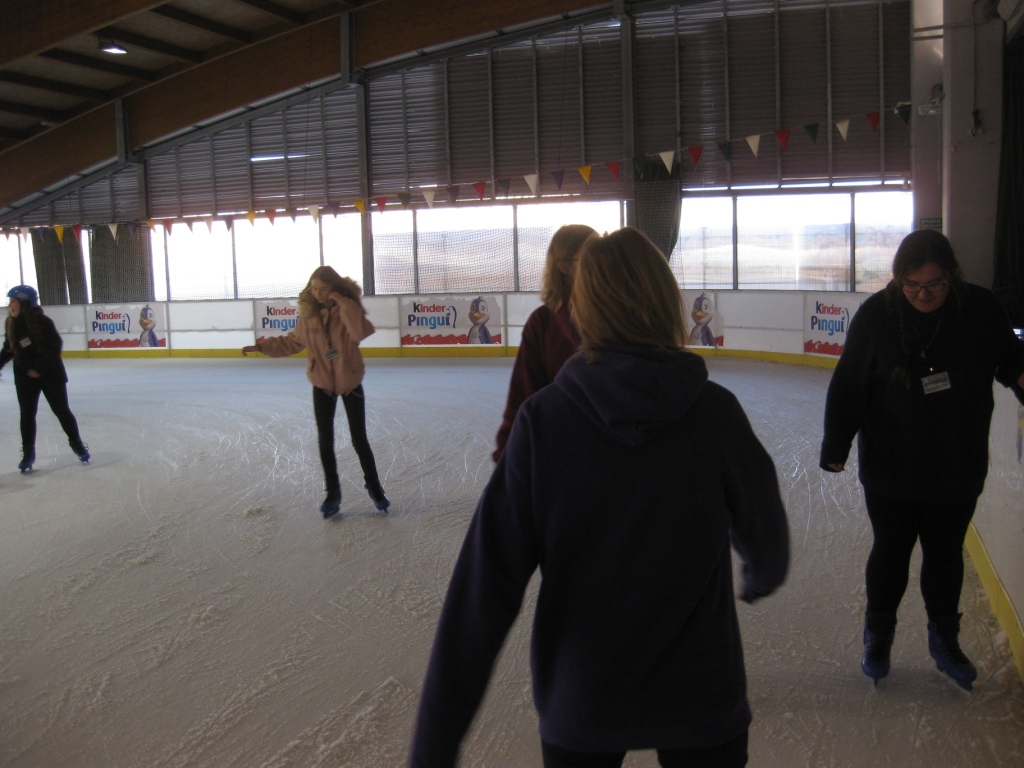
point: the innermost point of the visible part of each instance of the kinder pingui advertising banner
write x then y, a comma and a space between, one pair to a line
127, 326
826, 322
451, 320
704, 321
275, 317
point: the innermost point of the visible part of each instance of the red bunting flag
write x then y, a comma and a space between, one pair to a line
783, 138
873, 119
481, 189
695, 153
77, 229
271, 214
613, 166
381, 202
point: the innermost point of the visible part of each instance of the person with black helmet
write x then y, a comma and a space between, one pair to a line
34, 345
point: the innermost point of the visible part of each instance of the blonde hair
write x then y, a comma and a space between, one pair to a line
626, 295
346, 286
566, 243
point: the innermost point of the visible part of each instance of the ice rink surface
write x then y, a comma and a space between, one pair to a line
180, 602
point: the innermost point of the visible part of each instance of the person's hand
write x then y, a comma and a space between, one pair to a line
32, 374
247, 350
836, 467
334, 298
1020, 381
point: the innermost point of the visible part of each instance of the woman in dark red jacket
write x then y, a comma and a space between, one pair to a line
549, 336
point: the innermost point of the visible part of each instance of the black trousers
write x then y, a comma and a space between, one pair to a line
732, 754
324, 408
897, 526
56, 394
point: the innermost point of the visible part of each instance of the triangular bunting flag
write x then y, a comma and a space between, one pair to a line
60, 233
640, 165
613, 166
77, 229
404, 198
251, 216
25, 231
151, 224
209, 223
783, 138
481, 189
585, 173
292, 212
754, 142
726, 149
559, 177
229, 223
453, 193
271, 214
189, 223
381, 202
843, 126
812, 131
169, 223
694, 153
504, 185
873, 119
360, 205
532, 180
903, 110
131, 228
314, 212
335, 208
668, 158
113, 230
428, 195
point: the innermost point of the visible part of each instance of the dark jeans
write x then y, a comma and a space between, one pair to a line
324, 408
897, 526
56, 394
732, 754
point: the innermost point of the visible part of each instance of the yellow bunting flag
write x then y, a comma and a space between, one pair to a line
360, 205
60, 233
585, 172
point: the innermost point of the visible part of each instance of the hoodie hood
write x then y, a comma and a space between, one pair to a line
632, 393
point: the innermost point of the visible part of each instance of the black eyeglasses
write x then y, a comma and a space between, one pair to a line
936, 286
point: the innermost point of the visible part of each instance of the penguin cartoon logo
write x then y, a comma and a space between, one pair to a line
478, 316
702, 313
147, 319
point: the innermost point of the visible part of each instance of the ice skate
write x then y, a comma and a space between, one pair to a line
944, 647
81, 451
380, 501
28, 458
879, 631
332, 504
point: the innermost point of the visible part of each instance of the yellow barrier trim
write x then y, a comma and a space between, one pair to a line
998, 598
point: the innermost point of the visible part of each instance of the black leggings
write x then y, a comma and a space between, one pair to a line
897, 526
324, 408
732, 754
56, 394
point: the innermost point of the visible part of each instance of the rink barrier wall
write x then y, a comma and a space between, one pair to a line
757, 325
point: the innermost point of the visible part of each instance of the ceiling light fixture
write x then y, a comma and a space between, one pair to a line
109, 46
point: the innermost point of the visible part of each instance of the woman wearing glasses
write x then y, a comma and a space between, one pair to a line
914, 383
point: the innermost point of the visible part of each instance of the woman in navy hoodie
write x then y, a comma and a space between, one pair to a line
628, 482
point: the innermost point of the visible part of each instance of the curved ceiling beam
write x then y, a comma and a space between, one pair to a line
381, 31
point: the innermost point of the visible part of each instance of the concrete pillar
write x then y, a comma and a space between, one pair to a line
972, 119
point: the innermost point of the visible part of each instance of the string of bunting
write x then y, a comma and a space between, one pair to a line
614, 167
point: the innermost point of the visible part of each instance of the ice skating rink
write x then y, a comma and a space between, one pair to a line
180, 602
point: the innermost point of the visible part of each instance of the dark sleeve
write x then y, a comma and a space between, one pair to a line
498, 557
759, 529
6, 355
44, 358
528, 374
1009, 350
847, 397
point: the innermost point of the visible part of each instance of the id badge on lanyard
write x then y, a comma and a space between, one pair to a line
935, 382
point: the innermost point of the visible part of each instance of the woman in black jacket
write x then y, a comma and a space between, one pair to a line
914, 383
34, 345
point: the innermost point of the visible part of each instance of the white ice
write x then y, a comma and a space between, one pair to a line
180, 602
